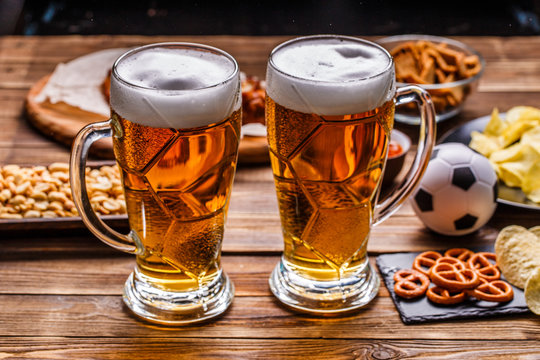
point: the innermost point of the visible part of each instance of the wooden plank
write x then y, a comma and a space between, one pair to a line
223, 348
249, 317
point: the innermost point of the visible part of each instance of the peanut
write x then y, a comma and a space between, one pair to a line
40, 191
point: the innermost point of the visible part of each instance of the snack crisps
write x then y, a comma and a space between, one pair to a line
532, 292
512, 145
518, 253
424, 62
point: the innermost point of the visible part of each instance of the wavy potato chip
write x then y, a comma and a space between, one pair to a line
518, 254
532, 291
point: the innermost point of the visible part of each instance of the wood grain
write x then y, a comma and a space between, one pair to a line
60, 289
219, 348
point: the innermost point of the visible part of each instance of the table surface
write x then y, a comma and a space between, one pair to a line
60, 290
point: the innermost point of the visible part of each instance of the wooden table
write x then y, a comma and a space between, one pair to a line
60, 291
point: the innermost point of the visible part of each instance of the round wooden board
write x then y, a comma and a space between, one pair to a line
62, 122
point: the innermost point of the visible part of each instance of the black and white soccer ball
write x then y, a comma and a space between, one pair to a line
458, 193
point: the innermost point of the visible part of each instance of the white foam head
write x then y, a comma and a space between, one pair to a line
175, 85
330, 75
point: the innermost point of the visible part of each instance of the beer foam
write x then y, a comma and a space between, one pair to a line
330, 76
175, 87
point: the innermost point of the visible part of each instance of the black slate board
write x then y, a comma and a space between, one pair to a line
422, 310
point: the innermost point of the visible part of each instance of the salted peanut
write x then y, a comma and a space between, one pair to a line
49, 214
23, 187
38, 169
57, 196
99, 198
101, 186
5, 195
38, 195
32, 214
10, 216
63, 176
17, 200
11, 169
58, 166
111, 205
55, 206
45, 187
41, 205
69, 205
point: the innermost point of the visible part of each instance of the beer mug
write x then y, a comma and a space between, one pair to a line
175, 126
329, 113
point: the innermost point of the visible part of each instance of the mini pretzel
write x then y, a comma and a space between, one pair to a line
443, 296
426, 259
497, 290
459, 253
410, 284
452, 278
460, 265
481, 264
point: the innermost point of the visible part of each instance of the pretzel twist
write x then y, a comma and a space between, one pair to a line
497, 291
459, 253
410, 284
485, 265
453, 261
443, 296
452, 278
426, 259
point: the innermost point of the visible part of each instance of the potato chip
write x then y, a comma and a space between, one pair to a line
532, 291
531, 182
512, 145
518, 254
535, 230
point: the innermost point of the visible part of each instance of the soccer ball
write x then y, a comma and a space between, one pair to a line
458, 192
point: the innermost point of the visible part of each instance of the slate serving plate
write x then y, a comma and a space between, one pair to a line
422, 310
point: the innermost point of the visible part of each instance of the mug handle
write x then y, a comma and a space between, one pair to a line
129, 243
426, 140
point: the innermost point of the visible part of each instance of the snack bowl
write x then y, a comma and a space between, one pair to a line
448, 89
395, 161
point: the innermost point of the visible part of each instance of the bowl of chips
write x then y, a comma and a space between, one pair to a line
448, 69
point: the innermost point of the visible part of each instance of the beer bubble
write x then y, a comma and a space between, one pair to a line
175, 87
330, 76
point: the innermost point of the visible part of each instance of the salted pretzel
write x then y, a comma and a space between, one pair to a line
410, 284
485, 265
459, 253
453, 261
425, 260
496, 290
452, 278
443, 296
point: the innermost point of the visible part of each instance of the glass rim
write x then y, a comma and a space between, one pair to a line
180, 45
279, 47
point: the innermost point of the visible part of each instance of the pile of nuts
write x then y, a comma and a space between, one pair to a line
44, 192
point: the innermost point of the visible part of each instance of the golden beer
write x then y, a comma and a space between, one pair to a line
327, 171
177, 185
329, 114
175, 123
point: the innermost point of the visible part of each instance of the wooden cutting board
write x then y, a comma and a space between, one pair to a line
62, 122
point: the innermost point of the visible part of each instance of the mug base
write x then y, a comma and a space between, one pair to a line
177, 308
324, 298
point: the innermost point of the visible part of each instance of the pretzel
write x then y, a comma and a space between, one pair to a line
481, 264
443, 296
497, 291
459, 253
453, 261
452, 278
410, 284
427, 259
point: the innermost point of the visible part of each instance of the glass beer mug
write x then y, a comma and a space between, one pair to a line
175, 125
329, 113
